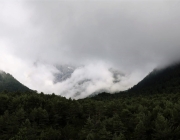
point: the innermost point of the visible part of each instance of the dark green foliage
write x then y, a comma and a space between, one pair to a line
166, 80
37, 116
10, 84
142, 113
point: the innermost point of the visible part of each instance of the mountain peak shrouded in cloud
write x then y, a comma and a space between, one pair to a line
164, 80
64, 72
132, 37
83, 81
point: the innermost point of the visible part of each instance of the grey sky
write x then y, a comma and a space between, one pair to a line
131, 36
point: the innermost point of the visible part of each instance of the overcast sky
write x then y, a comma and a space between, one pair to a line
132, 36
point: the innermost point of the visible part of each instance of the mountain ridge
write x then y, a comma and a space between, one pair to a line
160, 80
10, 84
165, 80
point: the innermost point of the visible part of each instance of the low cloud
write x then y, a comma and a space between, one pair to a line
84, 81
133, 37
89, 79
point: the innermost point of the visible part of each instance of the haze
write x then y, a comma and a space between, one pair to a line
130, 36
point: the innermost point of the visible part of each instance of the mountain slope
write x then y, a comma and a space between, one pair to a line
162, 81
10, 84
166, 80
65, 72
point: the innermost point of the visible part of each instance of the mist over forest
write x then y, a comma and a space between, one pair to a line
89, 70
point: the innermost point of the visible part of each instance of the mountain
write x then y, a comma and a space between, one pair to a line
159, 81
166, 80
10, 84
64, 73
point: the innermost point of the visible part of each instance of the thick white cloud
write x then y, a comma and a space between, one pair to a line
89, 79
132, 36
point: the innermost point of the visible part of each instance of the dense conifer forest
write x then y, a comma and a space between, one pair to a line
148, 111
27, 116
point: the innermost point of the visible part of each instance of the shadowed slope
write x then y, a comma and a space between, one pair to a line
10, 84
160, 80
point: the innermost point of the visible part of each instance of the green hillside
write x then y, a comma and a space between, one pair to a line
166, 80
141, 113
10, 84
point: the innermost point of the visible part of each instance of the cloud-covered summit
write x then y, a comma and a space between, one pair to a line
89, 79
131, 36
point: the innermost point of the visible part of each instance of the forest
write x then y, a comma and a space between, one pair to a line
27, 116
148, 111
89, 69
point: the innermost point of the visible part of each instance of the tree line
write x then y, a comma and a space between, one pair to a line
27, 116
